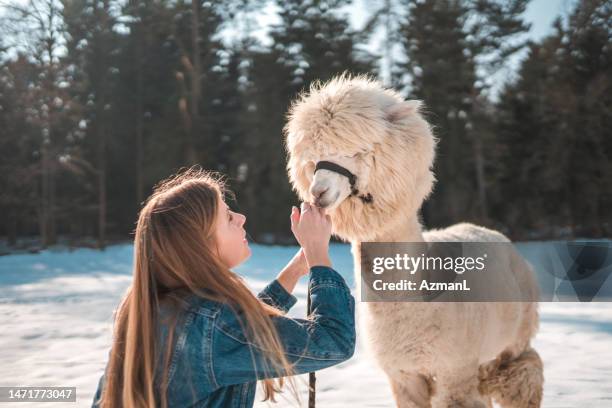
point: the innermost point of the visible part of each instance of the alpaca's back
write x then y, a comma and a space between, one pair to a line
464, 232
512, 267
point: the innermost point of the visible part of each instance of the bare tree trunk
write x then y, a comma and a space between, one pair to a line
196, 71
101, 186
44, 196
189, 102
101, 119
451, 198
47, 208
388, 44
52, 193
480, 178
139, 123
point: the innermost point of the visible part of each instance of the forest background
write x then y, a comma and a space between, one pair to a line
101, 99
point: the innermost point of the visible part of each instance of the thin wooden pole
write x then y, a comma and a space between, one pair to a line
312, 379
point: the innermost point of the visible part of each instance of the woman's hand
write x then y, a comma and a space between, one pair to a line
298, 263
295, 269
312, 229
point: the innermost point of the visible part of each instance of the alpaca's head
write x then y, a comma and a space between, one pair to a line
376, 135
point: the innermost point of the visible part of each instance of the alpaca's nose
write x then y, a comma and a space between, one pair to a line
317, 193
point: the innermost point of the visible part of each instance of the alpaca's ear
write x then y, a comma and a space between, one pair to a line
403, 110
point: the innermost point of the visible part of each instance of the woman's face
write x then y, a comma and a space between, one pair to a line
231, 237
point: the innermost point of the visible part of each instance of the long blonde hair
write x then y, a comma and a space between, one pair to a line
174, 252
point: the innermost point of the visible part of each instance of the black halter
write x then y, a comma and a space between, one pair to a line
336, 168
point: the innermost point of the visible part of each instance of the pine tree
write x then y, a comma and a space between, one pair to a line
452, 48
387, 15
36, 33
587, 75
312, 42
19, 142
92, 49
528, 153
553, 125
147, 98
444, 76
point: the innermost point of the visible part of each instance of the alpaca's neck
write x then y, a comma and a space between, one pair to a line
409, 230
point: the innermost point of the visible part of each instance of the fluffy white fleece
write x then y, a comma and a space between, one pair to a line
435, 354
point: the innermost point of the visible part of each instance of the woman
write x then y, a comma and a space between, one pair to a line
189, 332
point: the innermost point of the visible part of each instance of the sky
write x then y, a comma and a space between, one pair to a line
542, 13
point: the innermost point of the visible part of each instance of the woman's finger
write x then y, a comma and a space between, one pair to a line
306, 207
294, 217
317, 211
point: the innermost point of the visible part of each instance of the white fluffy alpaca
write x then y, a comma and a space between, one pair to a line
435, 354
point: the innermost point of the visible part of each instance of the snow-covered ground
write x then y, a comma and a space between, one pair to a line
56, 313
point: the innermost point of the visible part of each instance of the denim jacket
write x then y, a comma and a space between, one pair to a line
213, 364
